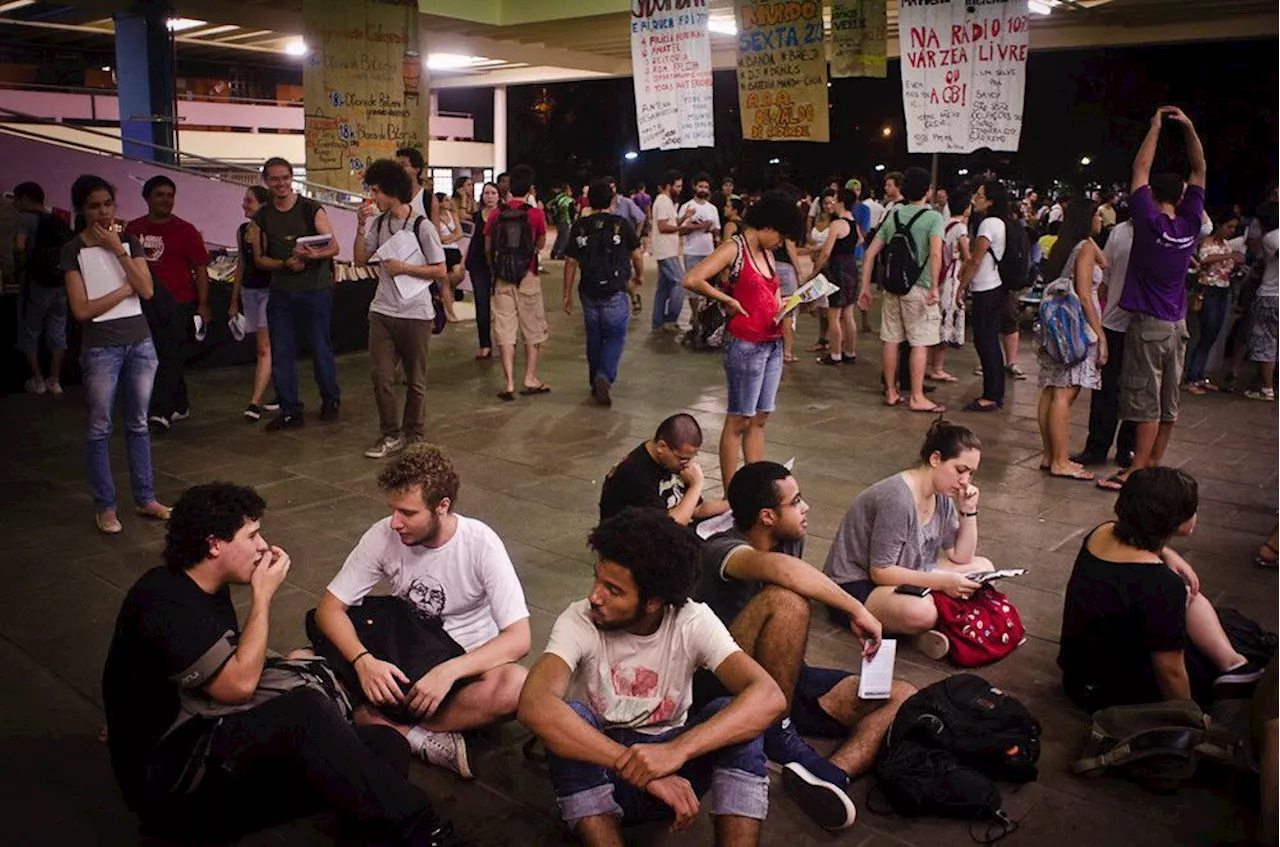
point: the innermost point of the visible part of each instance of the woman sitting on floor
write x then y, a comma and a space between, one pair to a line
917, 528
1133, 608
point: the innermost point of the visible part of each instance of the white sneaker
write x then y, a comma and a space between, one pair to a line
385, 446
54, 387
1015, 371
446, 750
933, 644
35, 385
180, 416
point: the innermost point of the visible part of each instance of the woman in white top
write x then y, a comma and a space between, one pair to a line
451, 236
980, 274
955, 252
818, 234
1075, 255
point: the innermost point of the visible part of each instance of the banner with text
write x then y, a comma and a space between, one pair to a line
364, 87
782, 71
671, 68
858, 32
964, 71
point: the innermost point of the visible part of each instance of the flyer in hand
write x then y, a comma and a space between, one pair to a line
814, 289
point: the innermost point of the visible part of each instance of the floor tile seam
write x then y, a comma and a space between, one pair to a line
88, 699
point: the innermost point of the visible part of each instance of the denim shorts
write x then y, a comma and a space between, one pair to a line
753, 371
254, 308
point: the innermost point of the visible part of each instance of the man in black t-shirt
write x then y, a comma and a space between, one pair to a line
607, 248
661, 474
755, 581
199, 749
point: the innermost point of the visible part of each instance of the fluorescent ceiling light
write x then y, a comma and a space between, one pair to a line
452, 61
723, 26
296, 47
254, 34
184, 24
213, 30
15, 5
1040, 7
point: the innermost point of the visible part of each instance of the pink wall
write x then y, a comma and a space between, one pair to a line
211, 205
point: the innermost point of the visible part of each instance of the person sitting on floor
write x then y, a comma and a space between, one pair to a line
755, 581
1134, 614
662, 473
202, 747
452, 571
916, 528
610, 698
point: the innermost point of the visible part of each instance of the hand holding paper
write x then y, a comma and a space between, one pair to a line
814, 289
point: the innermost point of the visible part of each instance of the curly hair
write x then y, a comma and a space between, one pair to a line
390, 179
661, 554
425, 465
216, 509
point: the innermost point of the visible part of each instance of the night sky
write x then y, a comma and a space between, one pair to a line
1093, 103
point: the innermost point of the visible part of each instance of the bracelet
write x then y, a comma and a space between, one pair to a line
123, 254
358, 658
972, 514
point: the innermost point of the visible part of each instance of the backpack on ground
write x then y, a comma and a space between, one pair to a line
1158, 745
603, 257
1015, 265
901, 266
1062, 323
982, 629
513, 248
45, 250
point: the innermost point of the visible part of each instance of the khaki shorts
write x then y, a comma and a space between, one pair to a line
1152, 369
519, 307
908, 318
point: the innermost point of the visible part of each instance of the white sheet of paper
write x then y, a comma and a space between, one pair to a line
876, 678
404, 246
102, 274
991, 576
711, 526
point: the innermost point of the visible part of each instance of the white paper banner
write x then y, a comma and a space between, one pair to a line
671, 66
964, 71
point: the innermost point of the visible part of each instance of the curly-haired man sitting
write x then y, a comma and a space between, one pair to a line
611, 695
457, 588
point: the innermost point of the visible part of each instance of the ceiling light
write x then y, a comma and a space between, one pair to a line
213, 30
723, 26
184, 24
775, 161
963, 172
879, 168
1040, 7
296, 47
106, 69
451, 61
631, 155
15, 5
1086, 161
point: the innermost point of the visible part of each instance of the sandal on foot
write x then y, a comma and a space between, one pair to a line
935, 409
821, 347
897, 402
506, 396
975, 406
941, 376
1115, 482
1080, 475
529, 390
1269, 562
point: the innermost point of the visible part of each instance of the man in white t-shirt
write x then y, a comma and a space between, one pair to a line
668, 299
423, 202
610, 698
699, 223
454, 573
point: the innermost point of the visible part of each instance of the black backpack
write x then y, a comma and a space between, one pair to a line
949, 742
439, 321
603, 256
1015, 265
901, 268
513, 248
45, 250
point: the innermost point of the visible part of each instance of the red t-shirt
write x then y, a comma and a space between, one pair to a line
537, 222
174, 249
758, 294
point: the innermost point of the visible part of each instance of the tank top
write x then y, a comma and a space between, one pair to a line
845, 246
251, 276
758, 294
281, 230
448, 228
819, 237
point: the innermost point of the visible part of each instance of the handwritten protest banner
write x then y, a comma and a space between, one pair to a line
363, 85
671, 68
782, 71
858, 31
964, 72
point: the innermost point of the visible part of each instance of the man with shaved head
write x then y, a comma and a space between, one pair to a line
661, 473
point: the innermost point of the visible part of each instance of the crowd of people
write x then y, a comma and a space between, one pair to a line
683, 670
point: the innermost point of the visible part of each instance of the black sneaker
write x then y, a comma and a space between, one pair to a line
1087, 459
600, 390
329, 411
272, 405
1247, 673
828, 805
284, 421
180, 416
158, 423
253, 413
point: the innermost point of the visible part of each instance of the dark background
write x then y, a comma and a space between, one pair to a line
1093, 103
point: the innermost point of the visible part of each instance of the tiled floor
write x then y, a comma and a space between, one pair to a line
532, 469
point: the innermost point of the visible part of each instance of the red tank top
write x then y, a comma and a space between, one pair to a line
758, 294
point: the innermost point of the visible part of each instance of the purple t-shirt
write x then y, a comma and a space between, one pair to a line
1155, 283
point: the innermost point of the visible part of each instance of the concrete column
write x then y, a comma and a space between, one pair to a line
145, 81
435, 103
499, 129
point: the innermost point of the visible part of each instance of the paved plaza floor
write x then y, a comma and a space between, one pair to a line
532, 469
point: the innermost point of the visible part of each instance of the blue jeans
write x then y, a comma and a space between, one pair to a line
286, 312
735, 774
133, 367
1213, 314
753, 371
668, 299
606, 322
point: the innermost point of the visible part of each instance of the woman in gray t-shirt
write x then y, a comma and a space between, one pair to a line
917, 528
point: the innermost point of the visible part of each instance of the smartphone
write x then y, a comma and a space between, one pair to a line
912, 590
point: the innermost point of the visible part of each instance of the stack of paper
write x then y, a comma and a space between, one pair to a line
102, 275
404, 246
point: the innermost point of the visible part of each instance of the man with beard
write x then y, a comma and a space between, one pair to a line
668, 298
455, 574
699, 223
610, 698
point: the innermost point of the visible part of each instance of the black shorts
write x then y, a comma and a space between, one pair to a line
1009, 312
452, 257
806, 715
843, 271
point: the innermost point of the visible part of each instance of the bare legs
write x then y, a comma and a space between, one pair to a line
741, 434
508, 354
1205, 631
262, 367
889, 367
1053, 413
869, 720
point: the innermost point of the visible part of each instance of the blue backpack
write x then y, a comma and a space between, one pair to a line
1062, 324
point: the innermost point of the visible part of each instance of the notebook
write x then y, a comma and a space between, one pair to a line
102, 275
876, 679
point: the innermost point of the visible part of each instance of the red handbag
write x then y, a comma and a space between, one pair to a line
982, 629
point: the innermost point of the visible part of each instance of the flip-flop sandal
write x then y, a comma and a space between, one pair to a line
1078, 476
820, 347
790, 360
536, 389
897, 402
1110, 483
1264, 562
942, 377
975, 406
935, 409
506, 396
